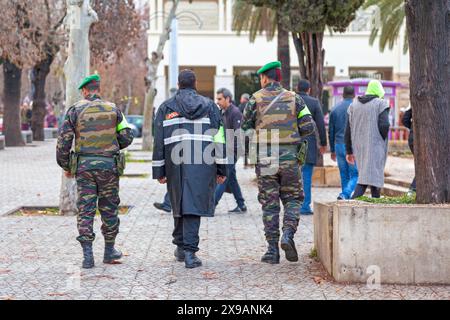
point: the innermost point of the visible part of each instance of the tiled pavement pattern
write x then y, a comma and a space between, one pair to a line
39, 257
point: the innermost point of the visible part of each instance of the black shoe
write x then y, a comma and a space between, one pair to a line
272, 256
111, 254
162, 206
179, 254
288, 245
88, 255
191, 261
239, 210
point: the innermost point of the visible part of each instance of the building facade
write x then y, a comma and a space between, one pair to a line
208, 44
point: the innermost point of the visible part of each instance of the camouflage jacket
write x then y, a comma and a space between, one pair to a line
68, 132
304, 122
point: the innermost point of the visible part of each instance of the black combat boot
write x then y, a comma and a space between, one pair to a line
272, 255
179, 254
191, 261
288, 245
88, 255
111, 254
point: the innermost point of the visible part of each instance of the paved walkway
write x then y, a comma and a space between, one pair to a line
39, 257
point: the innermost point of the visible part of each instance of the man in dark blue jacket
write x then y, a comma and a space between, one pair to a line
304, 89
189, 155
338, 123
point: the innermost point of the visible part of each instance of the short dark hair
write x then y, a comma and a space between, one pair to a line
226, 93
187, 79
273, 74
93, 86
303, 85
349, 92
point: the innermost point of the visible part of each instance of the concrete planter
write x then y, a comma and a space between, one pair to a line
358, 242
326, 177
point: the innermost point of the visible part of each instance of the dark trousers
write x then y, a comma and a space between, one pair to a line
233, 184
361, 190
413, 184
166, 202
186, 232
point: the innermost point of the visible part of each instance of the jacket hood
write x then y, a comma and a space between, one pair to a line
191, 105
375, 88
367, 98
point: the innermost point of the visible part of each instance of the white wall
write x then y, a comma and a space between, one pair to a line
226, 50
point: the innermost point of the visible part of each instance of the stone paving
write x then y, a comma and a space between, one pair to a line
39, 257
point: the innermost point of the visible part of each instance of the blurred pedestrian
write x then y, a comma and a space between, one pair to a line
232, 120
407, 121
312, 157
366, 138
337, 125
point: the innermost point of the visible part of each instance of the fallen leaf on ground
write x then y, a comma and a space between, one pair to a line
171, 281
209, 275
318, 280
3, 271
7, 298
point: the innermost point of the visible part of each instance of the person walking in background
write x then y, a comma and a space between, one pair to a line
366, 138
304, 89
232, 120
243, 103
337, 125
407, 121
245, 98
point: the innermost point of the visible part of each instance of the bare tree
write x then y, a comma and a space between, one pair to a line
153, 65
80, 17
16, 53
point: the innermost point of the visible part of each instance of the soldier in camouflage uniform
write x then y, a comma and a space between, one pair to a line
281, 119
100, 131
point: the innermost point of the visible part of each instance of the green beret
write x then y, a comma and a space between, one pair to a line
88, 79
269, 66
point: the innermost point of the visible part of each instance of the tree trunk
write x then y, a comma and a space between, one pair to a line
12, 76
39, 75
315, 54
147, 135
80, 17
430, 91
284, 55
311, 56
300, 54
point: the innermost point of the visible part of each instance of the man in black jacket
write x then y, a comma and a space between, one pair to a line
189, 155
232, 118
304, 89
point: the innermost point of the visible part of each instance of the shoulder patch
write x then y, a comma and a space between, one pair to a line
172, 115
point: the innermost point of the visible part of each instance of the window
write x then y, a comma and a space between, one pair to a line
190, 14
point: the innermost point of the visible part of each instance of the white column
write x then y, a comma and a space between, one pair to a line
153, 18
160, 19
229, 20
221, 15
161, 86
173, 62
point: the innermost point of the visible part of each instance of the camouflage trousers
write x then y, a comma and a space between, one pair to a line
275, 183
98, 189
